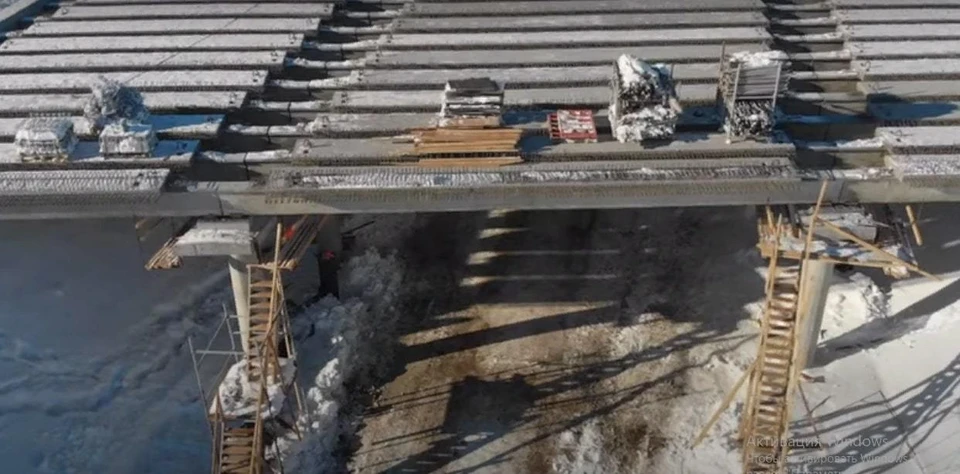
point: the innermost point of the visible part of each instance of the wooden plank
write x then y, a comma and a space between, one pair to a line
105, 62
101, 44
179, 26
581, 38
570, 8
578, 22
155, 101
511, 77
141, 80
166, 126
549, 57
197, 10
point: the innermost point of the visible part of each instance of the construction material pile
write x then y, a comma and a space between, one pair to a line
120, 115
475, 102
467, 142
750, 84
644, 104
126, 138
45, 138
110, 100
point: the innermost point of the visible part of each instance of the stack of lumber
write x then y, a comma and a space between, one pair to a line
477, 142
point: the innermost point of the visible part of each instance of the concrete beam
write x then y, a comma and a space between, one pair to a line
216, 238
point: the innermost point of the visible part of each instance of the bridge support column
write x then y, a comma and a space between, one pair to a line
329, 255
816, 277
239, 279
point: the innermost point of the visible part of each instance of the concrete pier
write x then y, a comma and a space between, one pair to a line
816, 278
239, 276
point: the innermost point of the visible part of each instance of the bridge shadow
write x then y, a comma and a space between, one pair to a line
611, 267
878, 435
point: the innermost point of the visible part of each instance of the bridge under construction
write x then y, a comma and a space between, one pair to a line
260, 117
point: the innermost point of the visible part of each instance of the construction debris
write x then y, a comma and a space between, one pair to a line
110, 100
45, 139
472, 103
644, 104
125, 138
750, 84
573, 126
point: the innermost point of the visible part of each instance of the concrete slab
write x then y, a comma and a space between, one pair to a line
142, 61
562, 23
202, 80
200, 10
167, 154
904, 49
101, 44
569, 8
582, 38
589, 97
899, 15
26, 104
166, 126
549, 57
181, 26
511, 77
902, 32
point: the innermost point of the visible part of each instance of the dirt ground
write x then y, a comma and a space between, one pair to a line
561, 341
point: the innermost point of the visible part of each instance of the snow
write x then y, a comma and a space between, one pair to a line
340, 342
754, 59
239, 397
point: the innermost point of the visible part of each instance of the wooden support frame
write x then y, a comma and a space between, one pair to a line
877, 250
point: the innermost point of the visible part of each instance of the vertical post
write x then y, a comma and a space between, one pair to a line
239, 280
816, 276
329, 250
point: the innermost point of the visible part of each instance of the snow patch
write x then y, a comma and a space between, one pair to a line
342, 341
580, 451
239, 396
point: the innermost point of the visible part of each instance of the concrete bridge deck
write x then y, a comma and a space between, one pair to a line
235, 85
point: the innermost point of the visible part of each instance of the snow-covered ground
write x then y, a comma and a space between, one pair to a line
94, 371
95, 374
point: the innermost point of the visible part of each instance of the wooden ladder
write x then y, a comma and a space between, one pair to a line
237, 451
769, 399
266, 300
